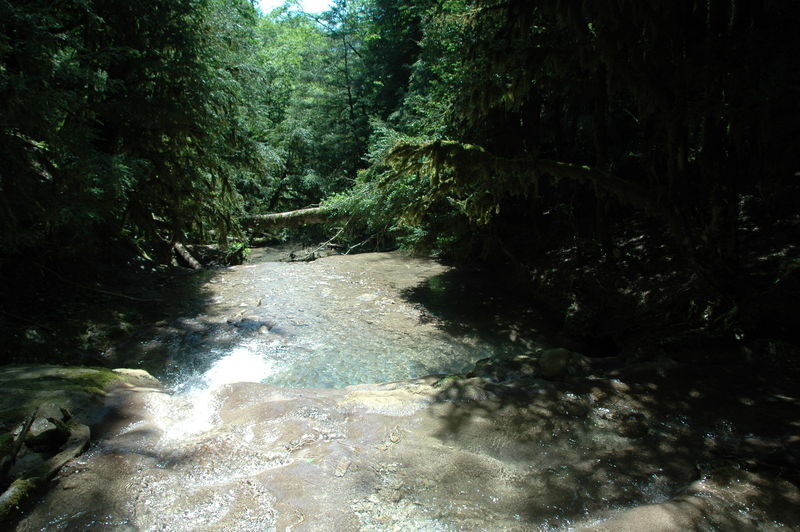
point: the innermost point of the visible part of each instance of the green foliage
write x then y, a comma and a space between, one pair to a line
123, 121
309, 130
520, 107
406, 208
446, 125
331, 75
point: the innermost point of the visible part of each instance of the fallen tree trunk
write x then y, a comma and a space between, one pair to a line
279, 220
8, 461
24, 490
187, 258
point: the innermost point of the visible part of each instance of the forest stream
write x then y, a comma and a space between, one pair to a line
351, 393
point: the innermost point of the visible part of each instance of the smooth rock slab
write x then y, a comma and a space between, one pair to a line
410, 456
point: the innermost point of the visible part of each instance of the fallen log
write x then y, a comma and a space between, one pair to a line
279, 220
24, 490
184, 255
8, 461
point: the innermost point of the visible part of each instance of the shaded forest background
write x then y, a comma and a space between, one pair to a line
635, 166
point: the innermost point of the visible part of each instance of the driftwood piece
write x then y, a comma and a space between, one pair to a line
77, 442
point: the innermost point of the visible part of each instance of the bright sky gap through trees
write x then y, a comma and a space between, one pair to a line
309, 6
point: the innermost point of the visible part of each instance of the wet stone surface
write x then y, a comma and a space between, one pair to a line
458, 454
264, 424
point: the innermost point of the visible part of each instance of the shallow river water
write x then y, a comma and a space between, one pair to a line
337, 321
310, 397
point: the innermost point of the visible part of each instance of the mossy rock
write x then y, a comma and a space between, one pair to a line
78, 389
64, 398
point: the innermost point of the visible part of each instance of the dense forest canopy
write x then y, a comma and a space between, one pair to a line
642, 147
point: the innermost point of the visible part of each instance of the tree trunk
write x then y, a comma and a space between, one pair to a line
313, 215
186, 257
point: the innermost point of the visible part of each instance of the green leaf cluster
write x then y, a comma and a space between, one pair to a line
540, 122
124, 122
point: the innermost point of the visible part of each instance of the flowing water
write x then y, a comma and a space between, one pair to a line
334, 322
305, 397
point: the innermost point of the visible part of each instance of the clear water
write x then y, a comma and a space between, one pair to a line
402, 456
334, 322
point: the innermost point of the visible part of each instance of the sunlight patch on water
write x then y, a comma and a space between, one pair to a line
335, 323
243, 364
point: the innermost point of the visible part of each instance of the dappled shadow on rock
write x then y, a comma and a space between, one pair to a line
437, 453
706, 445
466, 302
579, 452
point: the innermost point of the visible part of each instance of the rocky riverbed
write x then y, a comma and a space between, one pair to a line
452, 453
333, 322
270, 414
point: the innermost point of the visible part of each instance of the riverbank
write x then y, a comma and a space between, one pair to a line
518, 428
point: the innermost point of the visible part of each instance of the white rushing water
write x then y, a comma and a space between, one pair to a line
244, 363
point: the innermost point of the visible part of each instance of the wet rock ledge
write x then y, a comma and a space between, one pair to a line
45, 413
577, 451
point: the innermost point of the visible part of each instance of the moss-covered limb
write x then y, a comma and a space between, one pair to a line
23, 491
462, 171
17, 497
8, 461
455, 163
624, 190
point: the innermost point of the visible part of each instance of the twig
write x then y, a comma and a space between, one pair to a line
10, 459
98, 290
351, 248
334, 237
